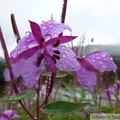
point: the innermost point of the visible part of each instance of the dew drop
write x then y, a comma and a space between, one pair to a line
98, 57
47, 37
103, 66
64, 55
60, 65
101, 62
32, 44
51, 26
55, 35
44, 27
103, 54
93, 60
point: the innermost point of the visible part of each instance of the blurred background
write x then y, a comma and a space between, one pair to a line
97, 20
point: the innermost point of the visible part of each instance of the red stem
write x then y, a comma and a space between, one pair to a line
48, 90
14, 26
10, 69
63, 14
64, 11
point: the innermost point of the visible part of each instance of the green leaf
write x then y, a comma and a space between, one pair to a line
69, 117
62, 107
18, 119
59, 75
16, 97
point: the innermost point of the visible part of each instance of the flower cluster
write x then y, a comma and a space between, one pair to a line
43, 47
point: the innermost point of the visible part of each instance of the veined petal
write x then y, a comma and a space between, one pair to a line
53, 28
101, 60
24, 44
36, 32
32, 75
68, 60
28, 69
49, 62
86, 78
60, 39
26, 54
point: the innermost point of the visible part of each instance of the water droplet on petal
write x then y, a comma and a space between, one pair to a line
101, 62
103, 54
98, 57
44, 27
93, 60
64, 55
47, 37
51, 26
60, 64
32, 44
55, 35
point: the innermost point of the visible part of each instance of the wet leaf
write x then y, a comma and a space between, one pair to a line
16, 97
63, 107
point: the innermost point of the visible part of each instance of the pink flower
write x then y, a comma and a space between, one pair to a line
90, 64
41, 45
8, 114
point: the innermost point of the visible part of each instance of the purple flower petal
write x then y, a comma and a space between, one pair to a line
109, 92
68, 60
8, 114
36, 32
102, 61
24, 44
60, 39
28, 69
86, 78
53, 28
49, 62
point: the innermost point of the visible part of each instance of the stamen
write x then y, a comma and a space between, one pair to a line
39, 59
42, 39
56, 52
56, 56
54, 60
56, 43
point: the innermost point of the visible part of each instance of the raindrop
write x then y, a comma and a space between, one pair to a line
98, 57
64, 55
93, 60
32, 44
101, 62
47, 37
25, 74
60, 65
103, 66
55, 35
44, 27
51, 26
104, 54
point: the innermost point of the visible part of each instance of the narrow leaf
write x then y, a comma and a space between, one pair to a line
62, 107
59, 75
16, 97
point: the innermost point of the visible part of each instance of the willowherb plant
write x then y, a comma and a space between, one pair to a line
43, 50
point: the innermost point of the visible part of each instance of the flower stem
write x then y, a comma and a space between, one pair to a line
64, 11
8, 60
37, 98
14, 26
63, 14
10, 69
49, 90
